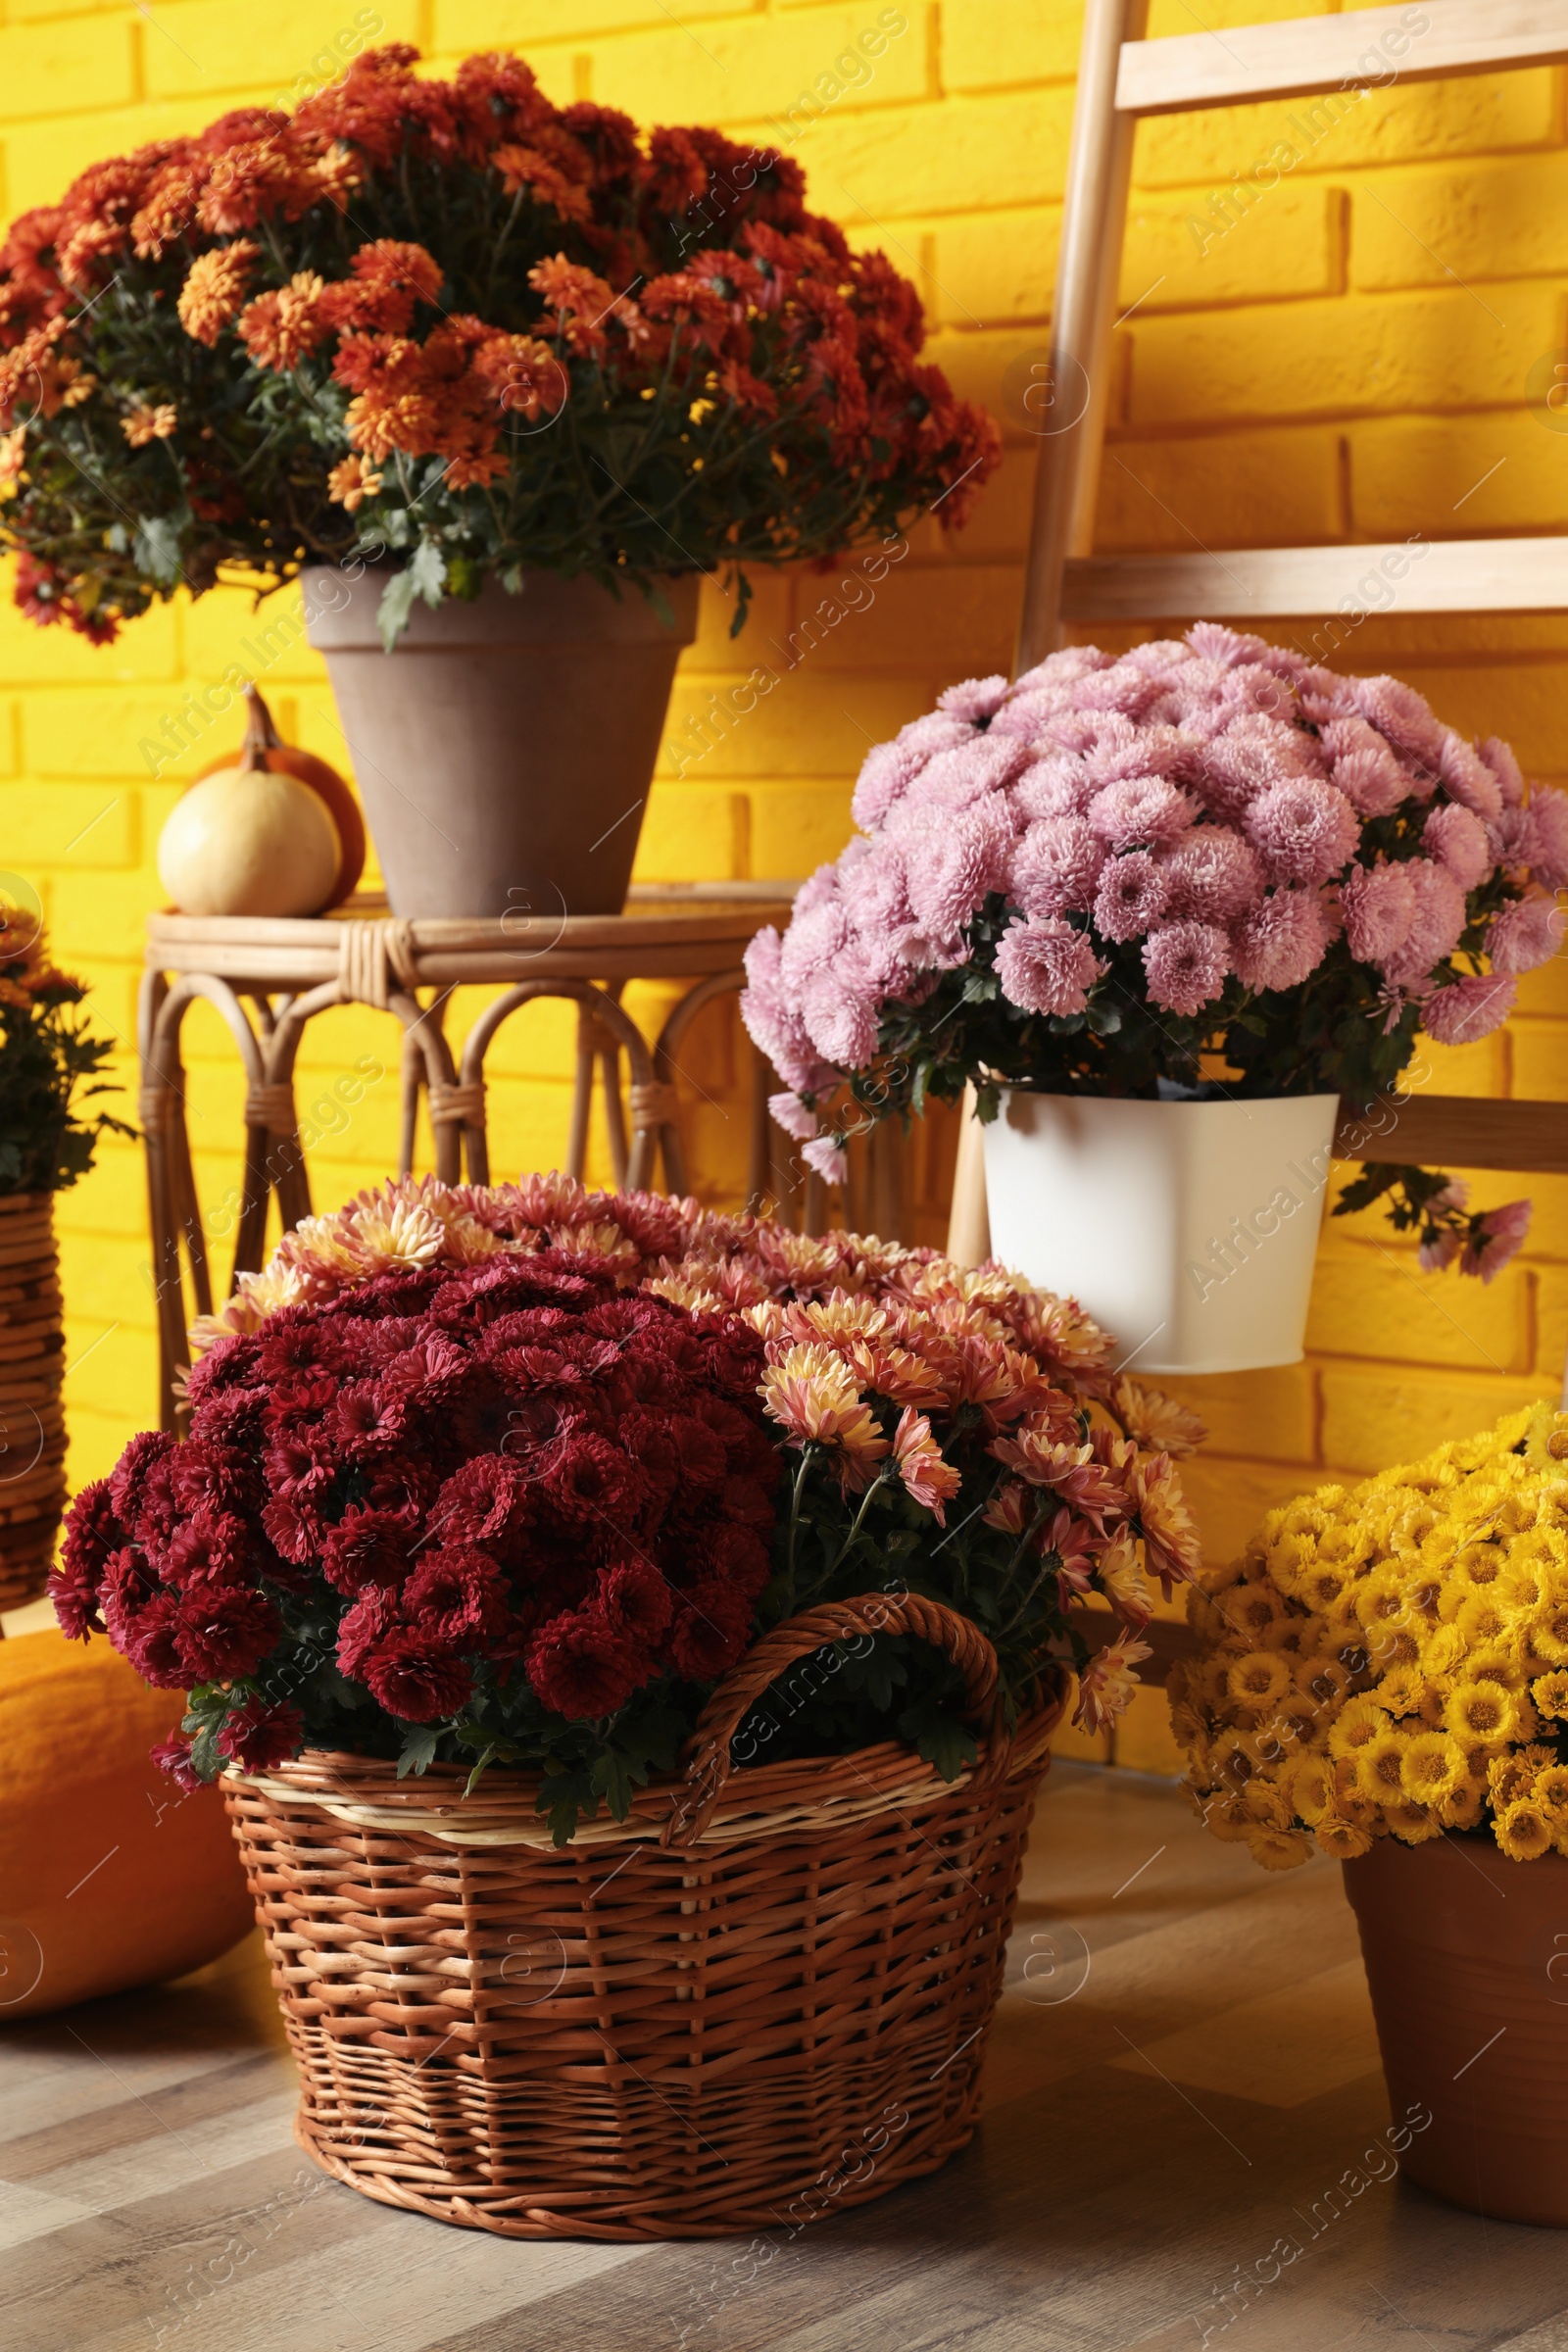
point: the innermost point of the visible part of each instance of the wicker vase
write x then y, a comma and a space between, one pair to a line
1467, 1963
762, 1997
32, 1428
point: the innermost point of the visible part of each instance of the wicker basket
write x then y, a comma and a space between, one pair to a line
758, 1999
32, 1427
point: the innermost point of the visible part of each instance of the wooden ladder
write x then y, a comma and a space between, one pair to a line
1121, 79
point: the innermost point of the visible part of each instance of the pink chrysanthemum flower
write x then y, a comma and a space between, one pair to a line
1466, 777
789, 1112
974, 698
886, 773
841, 1023
954, 863
1457, 838
1524, 935
1215, 876
1495, 1239
1056, 866
1498, 757
1045, 966
1254, 753
1052, 783
1546, 838
1404, 717
1304, 828
1139, 811
828, 1157
1362, 767
1378, 902
1186, 964
968, 773
1468, 1008
813, 944
1132, 896
1282, 942
1436, 927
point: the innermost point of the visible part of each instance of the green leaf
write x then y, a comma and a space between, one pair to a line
947, 1744
419, 1749
397, 603
428, 572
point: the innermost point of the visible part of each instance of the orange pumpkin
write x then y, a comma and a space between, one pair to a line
110, 1876
264, 747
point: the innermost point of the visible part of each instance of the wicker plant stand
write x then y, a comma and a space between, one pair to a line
32, 1427
762, 1998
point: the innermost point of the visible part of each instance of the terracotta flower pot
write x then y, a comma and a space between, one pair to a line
32, 1427
1467, 1961
504, 750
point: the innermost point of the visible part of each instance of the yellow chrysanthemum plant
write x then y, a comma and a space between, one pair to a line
1391, 1659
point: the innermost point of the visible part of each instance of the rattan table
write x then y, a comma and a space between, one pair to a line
268, 978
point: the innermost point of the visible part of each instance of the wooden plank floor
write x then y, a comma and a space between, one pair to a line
1183, 2067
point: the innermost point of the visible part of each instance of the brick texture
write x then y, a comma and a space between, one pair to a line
1346, 354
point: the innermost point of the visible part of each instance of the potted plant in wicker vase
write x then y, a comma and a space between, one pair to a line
49, 1067
502, 379
630, 1640
1165, 913
1383, 1678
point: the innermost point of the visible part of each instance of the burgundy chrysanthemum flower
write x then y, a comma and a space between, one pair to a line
415, 1678
172, 1756
1186, 964
1046, 966
259, 1734
585, 1666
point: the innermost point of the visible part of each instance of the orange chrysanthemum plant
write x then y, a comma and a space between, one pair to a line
939, 1430
464, 329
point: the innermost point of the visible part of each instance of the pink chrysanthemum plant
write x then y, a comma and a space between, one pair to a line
1206, 865
518, 1474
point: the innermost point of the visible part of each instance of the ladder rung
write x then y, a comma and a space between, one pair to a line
1464, 1131
1304, 56
1428, 575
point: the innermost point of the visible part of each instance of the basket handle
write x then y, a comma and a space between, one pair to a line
797, 1637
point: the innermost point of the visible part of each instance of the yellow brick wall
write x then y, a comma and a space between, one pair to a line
1349, 360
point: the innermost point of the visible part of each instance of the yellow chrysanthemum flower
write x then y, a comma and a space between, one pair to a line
1360, 1719
1309, 1788
1259, 1679
1514, 1774
1442, 1652
1550, 1791
1551, 1695
1547, 1630
1523, 1831
1400, 1691
1279, 1849
1432, 1768
1480, 1711
1482, 1621
1252, 1607
1412, 1824
1463, 1810
1379, 1766
1344, 1839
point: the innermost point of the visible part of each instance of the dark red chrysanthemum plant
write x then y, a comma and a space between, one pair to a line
518, 1474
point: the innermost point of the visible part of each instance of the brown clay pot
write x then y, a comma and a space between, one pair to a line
1467, 1961
504, 750
32, 1427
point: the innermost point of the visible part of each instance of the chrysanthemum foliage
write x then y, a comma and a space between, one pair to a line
1207, 863
461, 325
516, 1475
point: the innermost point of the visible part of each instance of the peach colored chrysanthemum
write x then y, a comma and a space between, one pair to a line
352, 482
1107, 1683
1156, 1420
144, 425
932, 1480
813, 1397
214, 288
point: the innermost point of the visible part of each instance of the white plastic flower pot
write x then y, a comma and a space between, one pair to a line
1189, 1230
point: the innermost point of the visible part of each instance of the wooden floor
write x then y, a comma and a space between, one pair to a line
1183, 2067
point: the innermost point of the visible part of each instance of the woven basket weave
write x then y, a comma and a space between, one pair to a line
759, 1998
32, 1427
